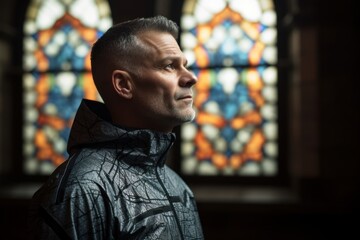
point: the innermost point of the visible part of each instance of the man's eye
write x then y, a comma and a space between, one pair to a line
170, 66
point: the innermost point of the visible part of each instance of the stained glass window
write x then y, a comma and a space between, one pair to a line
231, 47
58, 35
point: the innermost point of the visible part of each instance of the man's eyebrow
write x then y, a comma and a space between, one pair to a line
175, 58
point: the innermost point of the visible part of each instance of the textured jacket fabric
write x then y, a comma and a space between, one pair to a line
115, 185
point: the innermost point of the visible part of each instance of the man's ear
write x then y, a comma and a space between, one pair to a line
122, 83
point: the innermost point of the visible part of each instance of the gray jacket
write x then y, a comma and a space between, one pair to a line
115, 185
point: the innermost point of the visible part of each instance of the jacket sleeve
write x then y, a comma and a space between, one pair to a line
83, 212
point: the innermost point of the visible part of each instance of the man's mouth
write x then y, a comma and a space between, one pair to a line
185, 97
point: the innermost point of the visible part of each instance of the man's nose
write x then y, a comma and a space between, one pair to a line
188, 78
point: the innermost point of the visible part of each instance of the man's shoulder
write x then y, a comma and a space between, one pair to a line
177, 180
173, 174
93, 165
85, 171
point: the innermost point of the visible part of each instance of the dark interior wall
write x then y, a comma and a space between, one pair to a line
323, 129
340, 100
7, 34
339, 51
125, 10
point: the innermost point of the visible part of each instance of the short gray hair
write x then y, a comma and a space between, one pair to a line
119, 47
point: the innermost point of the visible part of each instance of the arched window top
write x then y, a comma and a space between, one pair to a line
60, 33
250, 10
43, 14
229, 32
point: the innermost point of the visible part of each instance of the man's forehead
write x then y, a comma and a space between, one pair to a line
159, 42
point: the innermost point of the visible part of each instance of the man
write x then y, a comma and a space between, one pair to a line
115, 184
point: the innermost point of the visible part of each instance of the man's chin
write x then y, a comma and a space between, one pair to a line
185, 116
190, 117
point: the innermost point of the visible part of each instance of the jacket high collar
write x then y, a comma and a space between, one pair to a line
93, 128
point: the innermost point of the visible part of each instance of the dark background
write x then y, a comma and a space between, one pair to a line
319, 196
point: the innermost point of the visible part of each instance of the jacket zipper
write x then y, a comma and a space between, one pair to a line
168, 195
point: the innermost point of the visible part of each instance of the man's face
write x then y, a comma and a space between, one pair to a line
162, 89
